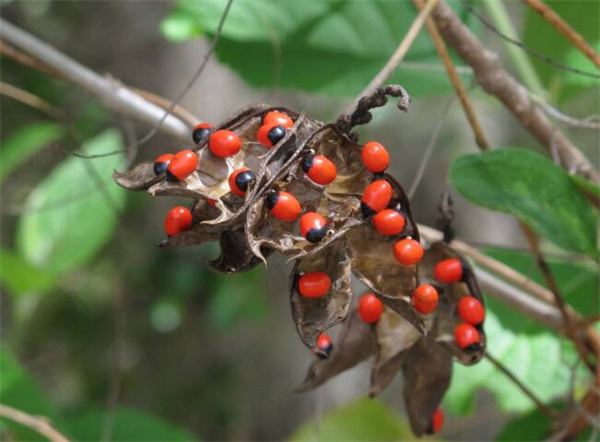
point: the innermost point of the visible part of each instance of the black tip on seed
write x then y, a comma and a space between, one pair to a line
160, 167
276, 134
200, 134
244, 179
307, 163
476, 346
271, 199
171, 177
366, 210
326, 352
316, 235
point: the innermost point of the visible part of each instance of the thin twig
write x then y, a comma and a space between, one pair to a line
455, 80
527, 49
551, 413
496, 81
36, 423
591, 122
565, 29
115, 96
30, 100
388, 70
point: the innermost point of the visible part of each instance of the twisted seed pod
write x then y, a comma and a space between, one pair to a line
421, 346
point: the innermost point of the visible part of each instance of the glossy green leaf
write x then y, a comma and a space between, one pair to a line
20, 391
21, 278
528, 185
128, 425
328, 46
586, 185
535, 360
26, 142
364, 420
60, 237
578, 60
532, 426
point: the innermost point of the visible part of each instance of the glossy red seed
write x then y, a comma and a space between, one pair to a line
263, 134
239, 181
471, 310
314, 284
437, 421
370, 308
389, 222
448, 270
408, 251
376, 197
375, 157
466, 335
313, 226
278, 119
224, 143
201, 131
161, 163
324, 342
179, 219
425, 299
283, 205
211, 202
320, 169
182, 165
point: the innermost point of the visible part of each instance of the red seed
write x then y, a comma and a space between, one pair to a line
182, 165
313, 227
408, 251
239, 181
320, 169
437, 421
161, 163
389, 222
466, 335
224, 143
201, 131
283, 205
471, 310
375, 157
314, 284
425, 299
179, 219
370, 308
278, 119
448, 270
376, 197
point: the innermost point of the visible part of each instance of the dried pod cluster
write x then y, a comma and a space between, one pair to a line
271, 179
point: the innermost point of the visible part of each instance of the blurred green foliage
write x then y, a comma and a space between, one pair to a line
328, 47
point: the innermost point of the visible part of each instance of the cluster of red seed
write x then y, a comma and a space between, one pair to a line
470, 310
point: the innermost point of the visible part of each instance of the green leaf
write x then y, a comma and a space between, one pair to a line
586, 185
238, 298
582, 15
24, 143
532, 426
329, 46
578, 60
528, 185
366, 419
64, 237
20, 278
128, 425
534, 360
19, 390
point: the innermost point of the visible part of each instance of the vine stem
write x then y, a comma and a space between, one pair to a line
114, 95
521, 63
564, 28
388, 69
515, 97
36, 423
